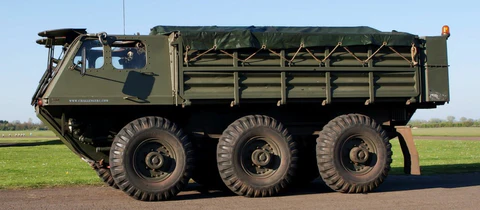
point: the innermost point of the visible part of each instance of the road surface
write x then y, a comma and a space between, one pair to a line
459, 191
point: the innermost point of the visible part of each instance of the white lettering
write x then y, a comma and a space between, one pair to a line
88, 100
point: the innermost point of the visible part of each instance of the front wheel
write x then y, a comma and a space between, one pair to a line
353, 154
151, 159
106, 176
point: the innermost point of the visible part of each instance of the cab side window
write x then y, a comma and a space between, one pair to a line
128, 54
94, 54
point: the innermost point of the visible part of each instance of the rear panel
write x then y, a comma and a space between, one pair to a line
436, 70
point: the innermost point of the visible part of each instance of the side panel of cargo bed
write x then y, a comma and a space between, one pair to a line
299, 84
224, 76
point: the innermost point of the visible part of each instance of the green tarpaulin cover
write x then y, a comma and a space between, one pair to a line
237, 37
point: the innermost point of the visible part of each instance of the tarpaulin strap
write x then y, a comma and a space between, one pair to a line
311, 54
326, 57
201, 54
413, 53
369, 57
351, 53
278, 54
296, 53
378, 50
185, 59
231, 55
253, 54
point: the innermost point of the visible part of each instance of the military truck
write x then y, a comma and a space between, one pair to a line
253, 110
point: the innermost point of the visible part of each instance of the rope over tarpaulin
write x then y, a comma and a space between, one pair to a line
236, 37
412, 62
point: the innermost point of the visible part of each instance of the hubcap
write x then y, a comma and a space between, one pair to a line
260, 157
154, 160
359, 155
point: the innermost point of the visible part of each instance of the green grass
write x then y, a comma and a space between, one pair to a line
458, 131
21, 140
40, 163
33, 163
27, 133
441, 156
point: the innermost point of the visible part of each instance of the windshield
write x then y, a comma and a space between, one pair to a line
56, 53
57, 42
94, 54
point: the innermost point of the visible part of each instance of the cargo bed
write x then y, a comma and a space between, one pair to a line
282, 64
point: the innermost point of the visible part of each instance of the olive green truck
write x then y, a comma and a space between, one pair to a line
252, 110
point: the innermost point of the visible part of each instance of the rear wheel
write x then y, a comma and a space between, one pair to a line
151, 159
256, 156
353, 154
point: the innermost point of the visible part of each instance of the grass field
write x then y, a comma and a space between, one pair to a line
27, 133
39, 163
42, 161
441, 156
461, 131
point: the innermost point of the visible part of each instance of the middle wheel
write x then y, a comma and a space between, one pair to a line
256, 156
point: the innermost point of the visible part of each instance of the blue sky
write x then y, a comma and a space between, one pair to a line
23, 62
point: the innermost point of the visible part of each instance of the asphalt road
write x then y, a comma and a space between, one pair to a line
459, 191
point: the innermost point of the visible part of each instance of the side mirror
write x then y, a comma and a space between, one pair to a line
84, 61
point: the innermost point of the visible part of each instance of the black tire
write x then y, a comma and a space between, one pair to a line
353, 154
307, 169
206, 170
151, 159
106, 176
256, 156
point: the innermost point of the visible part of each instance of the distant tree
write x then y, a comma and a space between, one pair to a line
451, 119
435, 120
463, 119
477, 123
17, 125
20, 126
468, 123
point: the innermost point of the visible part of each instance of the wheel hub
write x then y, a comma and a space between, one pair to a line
359, 155
154, 160
261, 157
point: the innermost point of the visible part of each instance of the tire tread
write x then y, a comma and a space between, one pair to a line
325, 153
119, 146
225, 162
